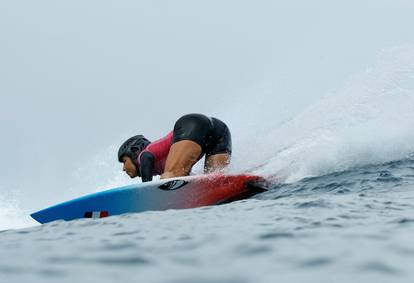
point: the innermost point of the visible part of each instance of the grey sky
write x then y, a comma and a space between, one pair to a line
79, 76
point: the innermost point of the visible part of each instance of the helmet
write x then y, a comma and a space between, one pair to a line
133, 147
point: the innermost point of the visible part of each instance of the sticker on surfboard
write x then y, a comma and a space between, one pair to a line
96, 214
173, 185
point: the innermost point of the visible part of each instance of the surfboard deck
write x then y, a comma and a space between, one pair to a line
177, 193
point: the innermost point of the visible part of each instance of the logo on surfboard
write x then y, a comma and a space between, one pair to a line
173, 185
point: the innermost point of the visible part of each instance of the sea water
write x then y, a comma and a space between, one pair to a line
341, 208
351, 225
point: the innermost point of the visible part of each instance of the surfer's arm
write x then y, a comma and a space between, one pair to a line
147, 161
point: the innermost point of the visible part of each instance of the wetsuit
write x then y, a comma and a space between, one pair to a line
211, 134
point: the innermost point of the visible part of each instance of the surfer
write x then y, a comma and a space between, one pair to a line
174, 155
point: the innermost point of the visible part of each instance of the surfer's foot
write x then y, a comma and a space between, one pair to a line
183, 155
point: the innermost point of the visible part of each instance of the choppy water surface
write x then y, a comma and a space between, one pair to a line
353, 225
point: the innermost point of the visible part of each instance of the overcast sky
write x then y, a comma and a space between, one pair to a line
79, 77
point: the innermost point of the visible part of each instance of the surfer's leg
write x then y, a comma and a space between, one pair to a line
216, 162
182, 157
219, 148
190, 135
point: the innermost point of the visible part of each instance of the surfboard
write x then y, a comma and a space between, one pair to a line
177, 193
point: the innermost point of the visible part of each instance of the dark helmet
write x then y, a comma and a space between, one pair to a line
133, 147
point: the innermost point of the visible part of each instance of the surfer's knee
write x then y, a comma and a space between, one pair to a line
179, 172
167, 175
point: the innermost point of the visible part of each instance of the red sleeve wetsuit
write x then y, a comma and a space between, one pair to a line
151, 160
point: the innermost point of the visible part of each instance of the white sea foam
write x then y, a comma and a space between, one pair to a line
370, 120
11, 215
